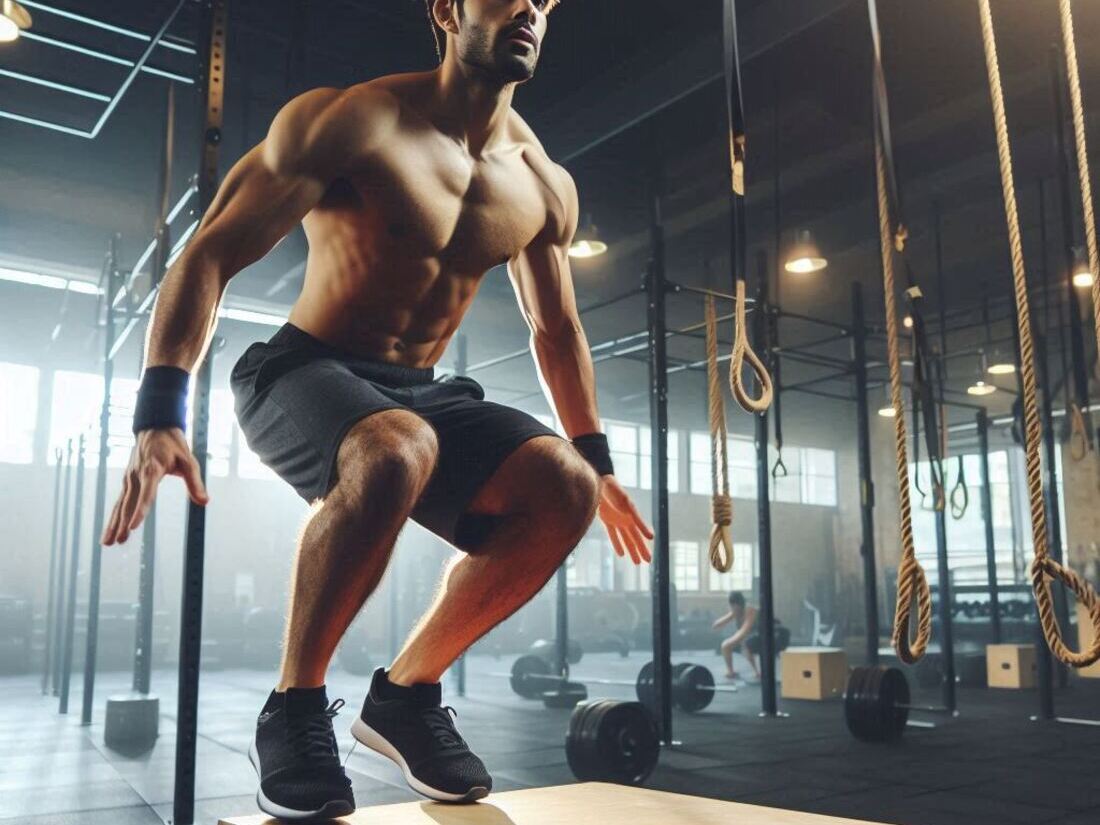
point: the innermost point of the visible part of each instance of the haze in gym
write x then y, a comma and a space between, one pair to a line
828, 288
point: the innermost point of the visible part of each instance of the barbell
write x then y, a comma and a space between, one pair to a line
877, 703
693, 686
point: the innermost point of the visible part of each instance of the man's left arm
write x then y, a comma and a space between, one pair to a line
543, 284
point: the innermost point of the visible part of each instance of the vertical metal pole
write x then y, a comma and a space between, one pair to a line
987, 518
1065, 208
74, 569
768, 704
113, 281
51, 600
213, 25
561, 620
656, 287
866, 484
59, 621
944, 578
461, 363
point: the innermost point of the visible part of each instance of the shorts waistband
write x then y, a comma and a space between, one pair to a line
289, 335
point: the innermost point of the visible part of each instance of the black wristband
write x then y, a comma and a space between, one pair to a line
596, 452
161, 399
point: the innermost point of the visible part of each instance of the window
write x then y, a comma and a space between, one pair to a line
740, 461
787, 488
77, 399
685, 565
818, 476
219, 435
645, 453
966, 535
623, 441
741, 576
18, 412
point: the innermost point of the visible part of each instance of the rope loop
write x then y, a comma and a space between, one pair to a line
1043, 570
1078, 434
912, 585
742, 352
721, 540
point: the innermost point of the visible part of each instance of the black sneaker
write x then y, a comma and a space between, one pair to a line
295, 754
408, 725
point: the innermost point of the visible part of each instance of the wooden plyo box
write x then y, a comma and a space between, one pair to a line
1084, 639
813, 672
591, 802
1010, 666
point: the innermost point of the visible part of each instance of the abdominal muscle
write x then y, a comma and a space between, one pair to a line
397, 310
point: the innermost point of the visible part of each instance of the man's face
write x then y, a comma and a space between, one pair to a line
502, 37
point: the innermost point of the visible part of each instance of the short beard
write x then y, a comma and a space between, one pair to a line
476, 49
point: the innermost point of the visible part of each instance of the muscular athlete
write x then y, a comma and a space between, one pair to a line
410, 187
744, 616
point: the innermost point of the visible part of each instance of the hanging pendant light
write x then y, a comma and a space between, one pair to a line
13, 19
979, 387
587, 243
1000, 363
804, 256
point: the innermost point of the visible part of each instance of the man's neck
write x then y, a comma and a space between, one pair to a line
470, 106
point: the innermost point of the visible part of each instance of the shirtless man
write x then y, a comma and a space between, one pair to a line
410, 188
744, 616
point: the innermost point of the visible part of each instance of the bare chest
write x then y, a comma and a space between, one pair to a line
419, 199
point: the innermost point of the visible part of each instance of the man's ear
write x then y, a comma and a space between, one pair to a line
445, 13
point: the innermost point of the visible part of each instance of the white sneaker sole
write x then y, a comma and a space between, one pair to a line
369, 737
330, 810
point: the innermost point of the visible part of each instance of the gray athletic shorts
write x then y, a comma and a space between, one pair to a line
296, 397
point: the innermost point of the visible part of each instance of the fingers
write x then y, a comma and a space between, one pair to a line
131, 489
613, 534
193, 479
111, 530
147, 490
638, 550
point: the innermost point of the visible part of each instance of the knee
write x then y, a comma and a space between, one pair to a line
392, 454
572, 494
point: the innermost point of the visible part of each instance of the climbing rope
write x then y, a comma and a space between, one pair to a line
721, 505
735, 114
1082, 157
1043, 568
912, 584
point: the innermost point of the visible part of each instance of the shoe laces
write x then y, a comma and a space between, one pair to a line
440, 721
311, 734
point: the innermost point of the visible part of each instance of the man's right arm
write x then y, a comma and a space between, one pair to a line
263, 196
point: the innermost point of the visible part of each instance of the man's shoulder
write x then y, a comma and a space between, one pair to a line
536, 153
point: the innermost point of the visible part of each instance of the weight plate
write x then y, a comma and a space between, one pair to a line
871, 703
692, 687
612, 741
643, 687
524, 672
567, 695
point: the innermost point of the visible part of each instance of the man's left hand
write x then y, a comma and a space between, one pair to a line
625, 525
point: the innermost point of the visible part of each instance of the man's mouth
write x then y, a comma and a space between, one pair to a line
525, 35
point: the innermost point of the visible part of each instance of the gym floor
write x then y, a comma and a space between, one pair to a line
990, 765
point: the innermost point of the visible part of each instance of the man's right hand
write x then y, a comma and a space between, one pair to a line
156, 454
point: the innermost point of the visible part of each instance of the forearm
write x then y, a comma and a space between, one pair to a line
565, 364
185, 312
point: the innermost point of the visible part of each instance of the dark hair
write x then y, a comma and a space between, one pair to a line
736, 599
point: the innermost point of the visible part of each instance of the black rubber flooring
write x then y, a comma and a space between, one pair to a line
991, 764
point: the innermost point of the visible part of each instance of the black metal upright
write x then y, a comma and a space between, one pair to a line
51, 587
987, 519
112, 281
943, 578
866, 484
74, 571
63, 544
212, 41
561, 620
768, 703
656, 288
